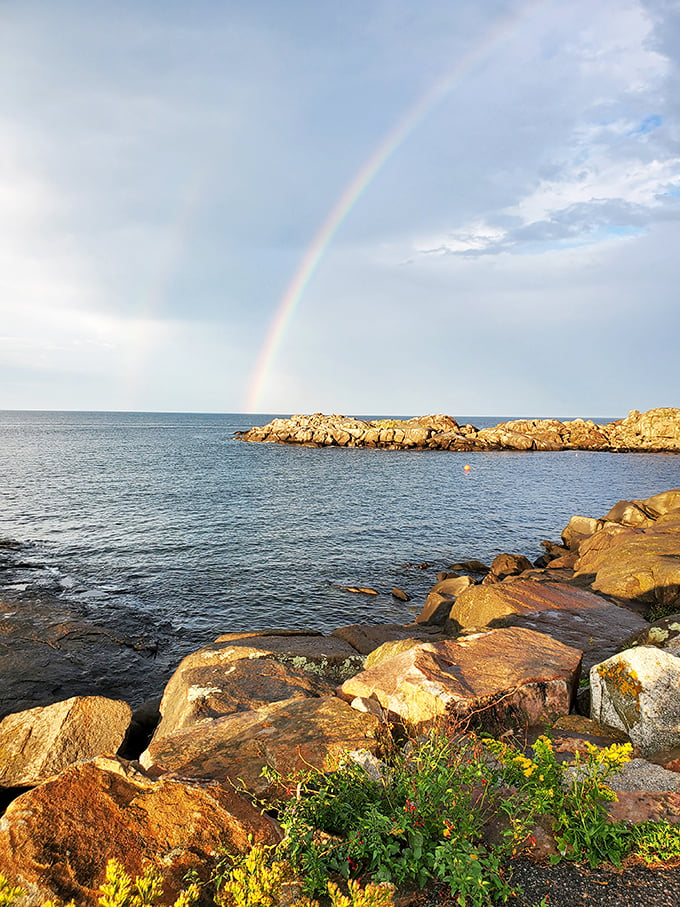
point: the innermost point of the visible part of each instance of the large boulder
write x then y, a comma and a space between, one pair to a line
289, 736
56, 839
364, 638
245, 672
639, 691
575, 617
500, 676
327, 657
41, 742
638, 564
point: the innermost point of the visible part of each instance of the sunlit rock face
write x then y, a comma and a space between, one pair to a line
504, 677
655, 430
639, 691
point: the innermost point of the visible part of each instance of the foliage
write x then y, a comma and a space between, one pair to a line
657, 843
425, 820
117, 890
255, 880
574, 794
8, 893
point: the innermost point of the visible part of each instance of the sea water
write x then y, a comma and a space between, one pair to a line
168, 520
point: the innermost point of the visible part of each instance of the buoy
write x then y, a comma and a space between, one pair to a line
467, 467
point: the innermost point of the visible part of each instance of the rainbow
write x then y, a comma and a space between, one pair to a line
355, 188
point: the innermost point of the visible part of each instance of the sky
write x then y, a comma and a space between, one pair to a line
365, 207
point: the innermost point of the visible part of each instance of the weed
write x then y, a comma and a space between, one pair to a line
657, 843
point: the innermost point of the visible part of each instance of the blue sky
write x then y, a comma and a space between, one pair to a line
164, 168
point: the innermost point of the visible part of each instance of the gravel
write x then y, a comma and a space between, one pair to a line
573, 885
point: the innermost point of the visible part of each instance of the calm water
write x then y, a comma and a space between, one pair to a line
167, 519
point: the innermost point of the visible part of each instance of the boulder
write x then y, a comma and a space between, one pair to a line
577, 529
222, 678
639, 691
575, 617
638, 806
507, 676
638, 564
289, 736
327, 657
41, 742
441, 597
663, 633
389, 650
509, 565
56, 839
364, 638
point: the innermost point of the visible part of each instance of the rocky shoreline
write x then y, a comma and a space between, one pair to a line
657, 430
586, 641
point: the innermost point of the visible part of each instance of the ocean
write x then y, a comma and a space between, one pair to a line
165, 525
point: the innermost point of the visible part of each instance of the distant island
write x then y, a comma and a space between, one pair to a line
657, 430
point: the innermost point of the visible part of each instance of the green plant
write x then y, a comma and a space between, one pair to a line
657, 843
255, 880
117, 890
574, 794
424, 820
9, 893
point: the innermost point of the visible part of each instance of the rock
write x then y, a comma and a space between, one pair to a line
663, 633
575, 617
669, 759
640, 774
499, 676
509, 565
572, 733
389, 650
224, 677
359, 590
327, 657
631, 513
364, 638
641, 565
639, 691
656, 429
473, 566
400, 595
55, 840
577, 529
636, 807
41, 742
441, 597
286, 736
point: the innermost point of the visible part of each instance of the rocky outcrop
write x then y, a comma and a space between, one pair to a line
55, 839
41, 742
575, 617
533, 682
656, 430
286, 736
637, 564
